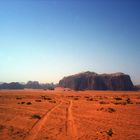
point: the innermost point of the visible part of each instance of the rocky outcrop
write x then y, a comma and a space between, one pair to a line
33, 85
93, 81
29, 85
137, 87
37, 85
13, 85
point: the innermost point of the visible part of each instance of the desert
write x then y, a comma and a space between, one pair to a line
65, 114
69, 70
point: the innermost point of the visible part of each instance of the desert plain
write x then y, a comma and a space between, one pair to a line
63, 114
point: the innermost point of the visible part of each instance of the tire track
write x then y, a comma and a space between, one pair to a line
71, 128
33, 132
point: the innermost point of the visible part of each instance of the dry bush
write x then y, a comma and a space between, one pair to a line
28, 103
109, 132
51, 101
109, 109
18, 98
119, 103
128, 100
38, 100
90, 99
103, 102
36, 116
117, 98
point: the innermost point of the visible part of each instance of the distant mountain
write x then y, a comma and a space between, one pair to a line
13, 85
33, 85
37, 85
29, 85
93, 81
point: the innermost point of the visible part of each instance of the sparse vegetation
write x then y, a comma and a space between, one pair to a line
103, 102
22, 102
38, 100
75, 98
51, 101
1, 128
100, 109
89, 99
109, 109
119, 103
18, 98
28, 103
109, 132
137, 102
117, 98
46, 98
36, 116
128, 100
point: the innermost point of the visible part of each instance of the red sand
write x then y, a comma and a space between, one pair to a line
69, 115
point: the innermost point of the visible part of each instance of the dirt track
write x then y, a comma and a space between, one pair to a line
69, 115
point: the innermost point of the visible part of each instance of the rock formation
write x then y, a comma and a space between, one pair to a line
13, 85
137, 87
93, 81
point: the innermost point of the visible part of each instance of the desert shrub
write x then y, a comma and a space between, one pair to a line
1, 128
52, 101
87, 96
103, 102
70, 96
119, 103
38, 100
28, 103
48, 98
109, 132
18, 98
117, 98
22, 102
89, 99
100, 109
75, 98
36, 116
128, 100
137, 102
110, 110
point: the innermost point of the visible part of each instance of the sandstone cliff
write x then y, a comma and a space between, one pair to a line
93, 81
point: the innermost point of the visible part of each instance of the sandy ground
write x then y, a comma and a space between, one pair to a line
69, 115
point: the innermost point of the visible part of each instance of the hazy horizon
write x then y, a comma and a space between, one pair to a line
47, 40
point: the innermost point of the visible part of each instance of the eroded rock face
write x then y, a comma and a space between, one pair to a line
137, 87
94, 81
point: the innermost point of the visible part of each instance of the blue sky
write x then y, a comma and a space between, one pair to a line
45, 40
